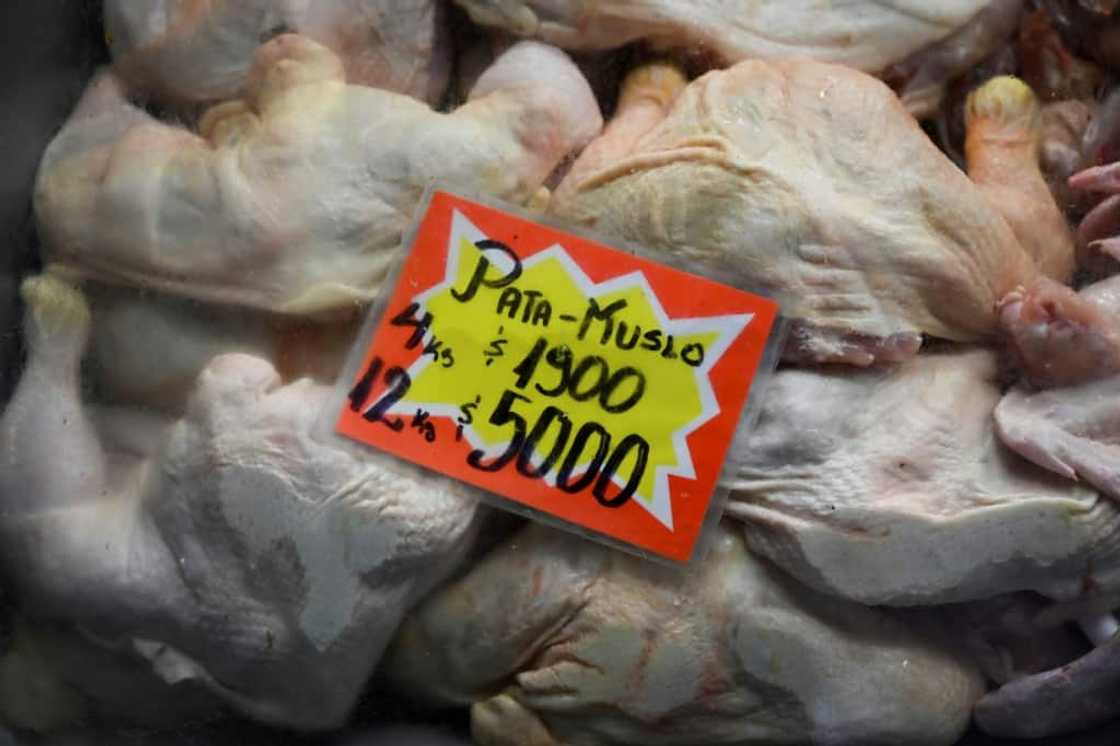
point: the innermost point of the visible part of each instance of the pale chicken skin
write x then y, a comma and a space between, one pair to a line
891, 487
295, 198
811, 183
558, 641
237, 548
147, 349
193, 51
1060, 337
918, 45
1070, 342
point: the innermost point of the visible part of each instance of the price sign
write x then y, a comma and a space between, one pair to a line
579, 381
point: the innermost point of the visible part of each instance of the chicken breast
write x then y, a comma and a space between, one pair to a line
191, 51
811, 183
558, 641
295, 198
891, 487
237, 548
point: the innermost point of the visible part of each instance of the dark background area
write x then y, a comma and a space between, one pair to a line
48, 48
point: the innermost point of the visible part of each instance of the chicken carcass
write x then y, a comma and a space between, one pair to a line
557, 641
920, 44
191, 51
147, 349
811, 183
1070, 341
295, 198
891, 487
248, 553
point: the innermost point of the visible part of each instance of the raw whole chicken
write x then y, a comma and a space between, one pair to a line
147, 349
201, 50
811, 183
237, 549
922, 45
294, 198
557, 641
890, 487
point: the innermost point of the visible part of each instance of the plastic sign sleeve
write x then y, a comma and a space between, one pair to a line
575, 380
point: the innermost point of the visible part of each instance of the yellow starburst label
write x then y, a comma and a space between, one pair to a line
576, 380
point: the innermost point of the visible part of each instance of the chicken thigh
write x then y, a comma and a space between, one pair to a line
295, 198
890, 487
558, 641
809, 182
191, 51
248, 553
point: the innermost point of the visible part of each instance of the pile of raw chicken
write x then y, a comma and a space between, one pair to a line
923, 530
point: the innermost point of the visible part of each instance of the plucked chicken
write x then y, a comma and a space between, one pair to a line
147, 349
811, 183
556, 641
295, 197
245, 554
192, 51
918, 45
891, 487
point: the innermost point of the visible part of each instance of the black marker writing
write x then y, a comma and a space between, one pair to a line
479, 278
